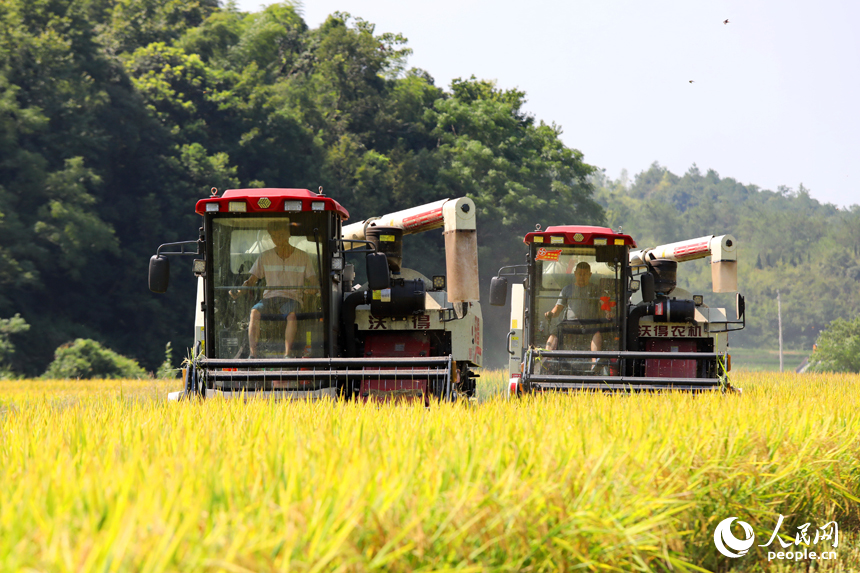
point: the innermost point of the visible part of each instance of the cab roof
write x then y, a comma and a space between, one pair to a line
270, 200
579, 235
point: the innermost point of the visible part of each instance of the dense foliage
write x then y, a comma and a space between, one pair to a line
788, 241
86, 359
117, 115
838, 347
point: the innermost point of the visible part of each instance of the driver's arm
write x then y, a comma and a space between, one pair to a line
251, 281
309, 293
554, 311
559, 304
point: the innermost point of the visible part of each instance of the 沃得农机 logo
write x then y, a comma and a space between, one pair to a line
727, 543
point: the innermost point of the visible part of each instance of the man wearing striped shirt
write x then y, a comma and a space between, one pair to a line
285, 269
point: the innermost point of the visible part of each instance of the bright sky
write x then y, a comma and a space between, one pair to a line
774, 99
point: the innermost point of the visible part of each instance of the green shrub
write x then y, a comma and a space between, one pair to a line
838, 347
166, 370
85, 358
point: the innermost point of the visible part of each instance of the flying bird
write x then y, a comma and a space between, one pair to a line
726, 21
691, 81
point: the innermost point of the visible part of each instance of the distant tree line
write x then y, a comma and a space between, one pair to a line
787, 240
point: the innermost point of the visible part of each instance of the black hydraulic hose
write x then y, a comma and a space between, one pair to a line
638, 311
349, 305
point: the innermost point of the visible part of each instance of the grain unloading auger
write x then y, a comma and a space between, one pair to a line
592, 314
278, 313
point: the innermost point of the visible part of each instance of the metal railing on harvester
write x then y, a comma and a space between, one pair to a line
569, 370
314, 374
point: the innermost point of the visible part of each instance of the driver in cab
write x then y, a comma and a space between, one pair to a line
284, 268
580, 301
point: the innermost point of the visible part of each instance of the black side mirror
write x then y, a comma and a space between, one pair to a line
646, 283
159, 273
741, 305
498, 291
377, 271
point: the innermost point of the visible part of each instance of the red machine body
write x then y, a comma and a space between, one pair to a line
403, 345
658, 368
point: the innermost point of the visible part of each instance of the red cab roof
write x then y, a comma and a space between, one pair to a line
579, 235
271, 201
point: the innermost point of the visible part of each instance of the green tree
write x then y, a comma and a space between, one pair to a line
135, 23
518, 171
838, 347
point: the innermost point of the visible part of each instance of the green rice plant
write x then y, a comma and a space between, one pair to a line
115, 478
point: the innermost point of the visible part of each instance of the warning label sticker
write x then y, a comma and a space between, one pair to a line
544, 254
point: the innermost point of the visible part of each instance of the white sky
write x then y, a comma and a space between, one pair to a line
774, 99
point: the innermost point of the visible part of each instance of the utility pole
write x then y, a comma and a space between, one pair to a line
779, 318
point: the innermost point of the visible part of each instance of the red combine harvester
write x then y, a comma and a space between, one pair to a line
278, 313
592, 313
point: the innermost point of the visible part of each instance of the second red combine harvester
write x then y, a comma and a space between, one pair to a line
278, 312
594, 313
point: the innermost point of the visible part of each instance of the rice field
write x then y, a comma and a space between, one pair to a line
108, 476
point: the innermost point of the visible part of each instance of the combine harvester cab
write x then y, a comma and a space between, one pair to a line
590, 313
279, 315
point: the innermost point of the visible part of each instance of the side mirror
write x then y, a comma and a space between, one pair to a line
159, 273
498, 291
646, 283
741, 305
377, 271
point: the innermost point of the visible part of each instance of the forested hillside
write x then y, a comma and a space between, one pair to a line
788, 241
117, 115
